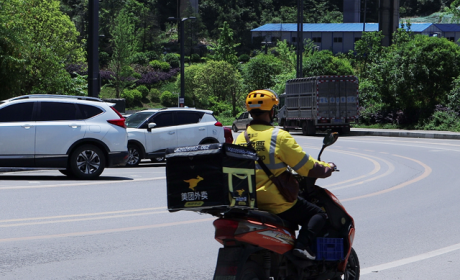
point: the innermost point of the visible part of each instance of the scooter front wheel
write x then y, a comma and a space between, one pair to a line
252, 271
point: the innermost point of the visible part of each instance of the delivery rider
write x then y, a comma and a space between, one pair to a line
278, 149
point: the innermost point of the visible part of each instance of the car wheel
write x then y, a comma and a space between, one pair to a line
235, 129
134, 155
157, 159
87, 162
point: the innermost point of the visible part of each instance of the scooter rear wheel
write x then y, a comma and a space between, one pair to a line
352, 270
252, 271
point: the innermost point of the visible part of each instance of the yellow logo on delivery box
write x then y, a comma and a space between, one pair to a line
193, 182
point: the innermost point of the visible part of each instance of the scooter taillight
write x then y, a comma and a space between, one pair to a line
227, 228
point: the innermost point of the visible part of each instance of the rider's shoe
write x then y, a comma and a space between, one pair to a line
303, 252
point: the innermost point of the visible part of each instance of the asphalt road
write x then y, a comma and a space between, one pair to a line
402, 192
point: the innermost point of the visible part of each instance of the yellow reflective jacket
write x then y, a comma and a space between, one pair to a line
278, 149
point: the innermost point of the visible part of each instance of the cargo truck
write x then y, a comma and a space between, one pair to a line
319, 103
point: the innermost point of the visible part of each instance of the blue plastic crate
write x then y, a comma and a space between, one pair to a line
329, 249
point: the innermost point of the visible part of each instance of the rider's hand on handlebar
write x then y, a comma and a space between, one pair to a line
333, 166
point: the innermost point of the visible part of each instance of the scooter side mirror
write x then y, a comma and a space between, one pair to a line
330, 138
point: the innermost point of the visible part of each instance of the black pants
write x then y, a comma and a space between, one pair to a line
309, 216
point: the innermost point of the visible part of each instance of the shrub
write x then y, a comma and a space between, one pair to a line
160, 65
151, 55
168, 99
131, 96
244, 58
164, 66
442, 119
128, 96
143, 90
136, 94
151, 78
195, 58
137, 75
155, 95
155, 64
140, 58
172, 59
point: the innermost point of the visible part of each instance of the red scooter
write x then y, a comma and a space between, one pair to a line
257, 244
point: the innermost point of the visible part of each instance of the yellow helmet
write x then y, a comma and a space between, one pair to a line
263, 100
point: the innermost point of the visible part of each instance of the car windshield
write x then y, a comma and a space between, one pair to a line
135, 120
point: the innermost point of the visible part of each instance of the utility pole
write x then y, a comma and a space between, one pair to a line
299, 38
93, 49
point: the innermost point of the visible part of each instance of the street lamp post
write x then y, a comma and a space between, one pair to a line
182, 39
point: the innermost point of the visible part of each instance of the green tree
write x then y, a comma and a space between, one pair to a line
124, 46
190, 84
224, 49
12, 49
325, 63
261, 71
287, 55
48, 41
368, 50
218, 86
419, 74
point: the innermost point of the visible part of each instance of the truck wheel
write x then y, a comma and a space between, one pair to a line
344, 130
235, 129
308, 128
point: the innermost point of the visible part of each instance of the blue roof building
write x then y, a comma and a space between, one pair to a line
341, 37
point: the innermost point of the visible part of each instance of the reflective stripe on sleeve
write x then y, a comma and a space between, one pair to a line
301, 163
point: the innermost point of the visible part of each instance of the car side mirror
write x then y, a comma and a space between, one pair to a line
150, 126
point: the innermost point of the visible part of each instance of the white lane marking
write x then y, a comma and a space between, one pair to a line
390, 170
413, 259
81, 184
83, 215
104, 231
425, 174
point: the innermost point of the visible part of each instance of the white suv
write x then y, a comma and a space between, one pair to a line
78, 135
150, 132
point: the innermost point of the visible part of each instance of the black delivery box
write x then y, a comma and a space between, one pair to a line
210, 177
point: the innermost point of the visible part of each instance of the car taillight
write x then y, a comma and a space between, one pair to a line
218, 124
118, 122
228, 135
